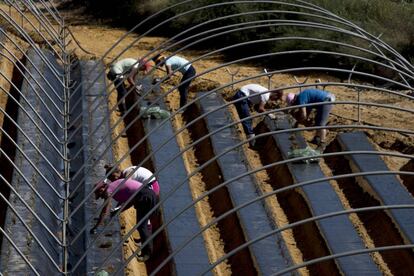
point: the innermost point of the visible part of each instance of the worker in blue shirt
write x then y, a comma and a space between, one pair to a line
184, 67
309, 96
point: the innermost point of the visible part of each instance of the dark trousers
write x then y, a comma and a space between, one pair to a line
122, 91
183, 88
144, 201
243, 110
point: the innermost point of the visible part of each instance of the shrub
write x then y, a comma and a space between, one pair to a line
391, 19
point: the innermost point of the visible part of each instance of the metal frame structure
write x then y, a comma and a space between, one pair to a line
55, 36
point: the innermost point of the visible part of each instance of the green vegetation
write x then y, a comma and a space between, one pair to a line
392, 20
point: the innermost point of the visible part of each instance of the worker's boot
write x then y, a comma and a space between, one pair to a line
143, 258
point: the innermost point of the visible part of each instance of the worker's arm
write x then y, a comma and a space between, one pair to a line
121, 206
147, 70
303, 114
169, 71
131, 76
261, 107
104, 212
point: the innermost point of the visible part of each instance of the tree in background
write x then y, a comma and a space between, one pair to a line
391, 19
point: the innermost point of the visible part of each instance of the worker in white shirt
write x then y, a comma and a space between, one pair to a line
128, 69
257, 96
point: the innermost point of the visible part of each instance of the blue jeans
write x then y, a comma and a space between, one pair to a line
242, 107
183, 88
322, 112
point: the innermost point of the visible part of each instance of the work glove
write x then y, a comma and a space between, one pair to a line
93, 231
114, 210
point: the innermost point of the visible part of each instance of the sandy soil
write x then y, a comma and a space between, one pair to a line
205, 215
98, 38
127, 218
359, 226
278, 215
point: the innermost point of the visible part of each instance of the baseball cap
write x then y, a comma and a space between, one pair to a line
158, 58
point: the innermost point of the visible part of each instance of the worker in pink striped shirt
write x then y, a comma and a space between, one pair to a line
144, 200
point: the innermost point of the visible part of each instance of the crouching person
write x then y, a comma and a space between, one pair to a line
144, 200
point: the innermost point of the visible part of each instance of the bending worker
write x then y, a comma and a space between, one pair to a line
122, 190
184, 67
128, 69
257, 96
136, 173
309, 96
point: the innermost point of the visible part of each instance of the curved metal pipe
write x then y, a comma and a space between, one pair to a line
34, 28
30, 61
32, 164
19, 251
30, 41
204, 115
313, 219
17, 63
273, 72
176, 187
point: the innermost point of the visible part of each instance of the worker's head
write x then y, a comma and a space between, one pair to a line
290, 98
99, 189
111, 75
158, 59
144, 65
276, 94
114, 173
